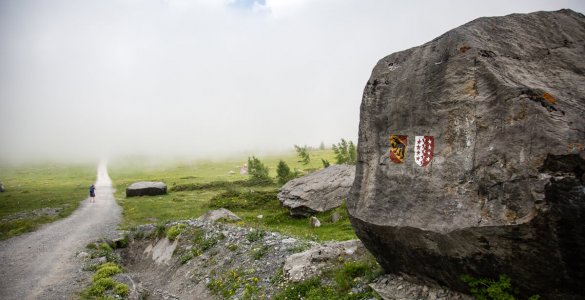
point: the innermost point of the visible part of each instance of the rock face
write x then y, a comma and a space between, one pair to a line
502, 192
319, 191
146, 188
162, 251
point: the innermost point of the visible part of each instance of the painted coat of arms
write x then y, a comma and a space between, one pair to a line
424, 146
398, 145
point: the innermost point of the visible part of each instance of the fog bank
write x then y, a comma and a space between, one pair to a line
86, 79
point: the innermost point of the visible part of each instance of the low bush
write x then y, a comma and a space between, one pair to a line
106, 282
102, 283
489, 289
255, 235
174, 231
107, 271
121, 289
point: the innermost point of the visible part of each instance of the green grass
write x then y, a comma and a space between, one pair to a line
336, 283
103, 286
33, 187
197, 186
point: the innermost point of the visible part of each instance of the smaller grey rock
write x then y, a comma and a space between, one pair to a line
146, 188
315, 222
83, 255
319, 191
217, 214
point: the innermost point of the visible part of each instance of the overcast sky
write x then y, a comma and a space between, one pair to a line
202, 77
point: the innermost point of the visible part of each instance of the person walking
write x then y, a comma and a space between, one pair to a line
92, 193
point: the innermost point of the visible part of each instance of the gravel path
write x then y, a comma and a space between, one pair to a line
42, 264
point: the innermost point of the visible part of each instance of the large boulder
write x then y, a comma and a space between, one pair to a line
496, 186
146, 188
319, 191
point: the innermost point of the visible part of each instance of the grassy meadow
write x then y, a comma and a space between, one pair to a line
199, 185
33, 190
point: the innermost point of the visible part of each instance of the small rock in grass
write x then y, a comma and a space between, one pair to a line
315, 222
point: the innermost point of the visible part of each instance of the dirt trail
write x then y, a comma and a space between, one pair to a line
42, 264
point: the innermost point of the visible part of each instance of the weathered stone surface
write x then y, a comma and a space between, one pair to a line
504, 99
300, 266
319, 191
146, 188
217, 214
395, 287
162, 251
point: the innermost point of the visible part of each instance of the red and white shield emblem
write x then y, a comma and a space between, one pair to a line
424, 145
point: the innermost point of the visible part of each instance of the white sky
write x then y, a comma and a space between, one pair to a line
202, 77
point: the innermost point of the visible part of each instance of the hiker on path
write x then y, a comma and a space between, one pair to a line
92, 193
